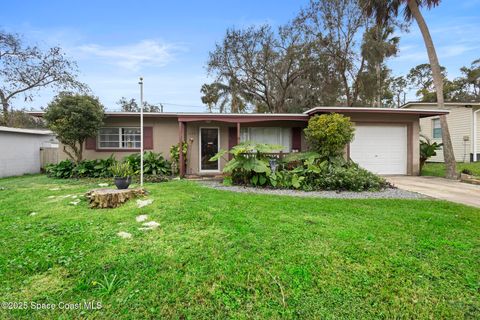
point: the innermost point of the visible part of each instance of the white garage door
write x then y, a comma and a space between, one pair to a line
381, 149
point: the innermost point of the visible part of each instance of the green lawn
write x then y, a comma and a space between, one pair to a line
438, 169
225, 255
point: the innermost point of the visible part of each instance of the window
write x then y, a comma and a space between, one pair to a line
437, 129
270, 135
119, 138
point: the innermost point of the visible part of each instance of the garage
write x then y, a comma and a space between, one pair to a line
381, 149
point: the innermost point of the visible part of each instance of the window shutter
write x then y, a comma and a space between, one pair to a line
91, 143
297, 139
148, 137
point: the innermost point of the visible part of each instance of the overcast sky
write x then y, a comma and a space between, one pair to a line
167, 42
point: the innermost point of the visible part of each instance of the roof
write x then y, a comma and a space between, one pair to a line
434, 104
26, 131
422, 113
257, 117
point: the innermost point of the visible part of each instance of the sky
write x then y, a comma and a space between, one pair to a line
168, 42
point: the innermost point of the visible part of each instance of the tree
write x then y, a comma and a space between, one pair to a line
26, 69
421, 78
261, 66
398, 86
131, 105
210, 95
385, 10
21, 119
74, 118
378, 45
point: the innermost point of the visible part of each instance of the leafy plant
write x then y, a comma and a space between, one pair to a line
175, 156
250, 163
153, 163
428, 149
328, 134
62, 170
121, 170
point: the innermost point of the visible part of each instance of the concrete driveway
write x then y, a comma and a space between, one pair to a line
440, 188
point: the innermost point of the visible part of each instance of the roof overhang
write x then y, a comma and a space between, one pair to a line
422, 113
26, 131
434, 104
220, 117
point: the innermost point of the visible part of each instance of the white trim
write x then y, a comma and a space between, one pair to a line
200, 150
120, 139
475, 135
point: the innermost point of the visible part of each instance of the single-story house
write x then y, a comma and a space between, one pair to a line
386, 140
464, 126
21, 150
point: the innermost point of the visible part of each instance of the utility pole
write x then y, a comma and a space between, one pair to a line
141, 131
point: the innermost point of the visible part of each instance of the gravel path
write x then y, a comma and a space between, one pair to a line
385, 194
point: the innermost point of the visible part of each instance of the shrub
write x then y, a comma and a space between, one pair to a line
427, 150
175, 156
328, 134
153, 163
62, 170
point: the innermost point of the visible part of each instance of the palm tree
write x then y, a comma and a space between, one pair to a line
384, 10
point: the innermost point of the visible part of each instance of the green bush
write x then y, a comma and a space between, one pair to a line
153, 163
328, 134
62, 170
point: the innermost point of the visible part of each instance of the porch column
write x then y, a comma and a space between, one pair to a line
238, 132
181, 139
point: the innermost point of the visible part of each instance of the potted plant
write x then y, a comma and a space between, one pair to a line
122, 173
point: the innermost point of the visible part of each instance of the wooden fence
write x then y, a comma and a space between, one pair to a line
48, 155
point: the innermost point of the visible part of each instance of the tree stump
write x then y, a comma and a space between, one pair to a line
112, 198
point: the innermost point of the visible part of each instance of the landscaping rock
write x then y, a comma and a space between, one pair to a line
149, 226
124, 235
143, 203
111, 198
141, 218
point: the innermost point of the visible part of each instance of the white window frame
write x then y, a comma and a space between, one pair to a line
120, 140
433, 128
200, 150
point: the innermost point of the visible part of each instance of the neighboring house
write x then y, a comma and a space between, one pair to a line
21, 150
463, 124
386, 140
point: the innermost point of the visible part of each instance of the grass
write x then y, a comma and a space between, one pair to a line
224, 255
438, 169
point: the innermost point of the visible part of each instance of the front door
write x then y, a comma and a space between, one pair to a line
209, 142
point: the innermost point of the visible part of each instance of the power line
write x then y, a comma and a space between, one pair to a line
181, 105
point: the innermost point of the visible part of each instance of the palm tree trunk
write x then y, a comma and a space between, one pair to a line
448, 155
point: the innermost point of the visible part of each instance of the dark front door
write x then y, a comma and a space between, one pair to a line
208, 148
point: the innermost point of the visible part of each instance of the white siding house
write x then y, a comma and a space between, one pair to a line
20, 150
462, 119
